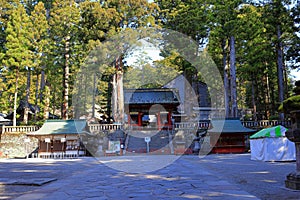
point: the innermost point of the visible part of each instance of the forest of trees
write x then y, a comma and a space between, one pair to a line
43, 45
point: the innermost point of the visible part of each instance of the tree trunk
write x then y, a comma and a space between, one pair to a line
43, 83
47, 102
114, 97
118, 94
65, 104
26, 107
94, 95
226, 81
253, 100
286, 79
15, 99
280, 70
109, 111
120, 97
36, 96
273, 99
233, 88
85, 84
79, 98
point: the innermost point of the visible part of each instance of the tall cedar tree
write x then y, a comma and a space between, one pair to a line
64, 19
18, 54
224, 22
40, 41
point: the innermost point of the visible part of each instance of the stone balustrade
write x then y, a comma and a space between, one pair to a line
18, 129
266, 123
181, 125
248, 124
185, 125
191, 125
101, 127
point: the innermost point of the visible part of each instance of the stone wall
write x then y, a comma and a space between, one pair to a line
13, 145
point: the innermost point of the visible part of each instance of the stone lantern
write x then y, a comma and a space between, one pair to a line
292, 106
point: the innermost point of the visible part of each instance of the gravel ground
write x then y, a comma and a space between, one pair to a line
266, 180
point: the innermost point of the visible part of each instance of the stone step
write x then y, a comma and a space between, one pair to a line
159, 141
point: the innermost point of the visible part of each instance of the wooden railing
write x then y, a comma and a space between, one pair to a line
18, 129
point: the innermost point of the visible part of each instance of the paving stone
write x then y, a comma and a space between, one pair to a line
219, 182
172, 182
27, 181
58, 195
96, 198
32, 196
159, 191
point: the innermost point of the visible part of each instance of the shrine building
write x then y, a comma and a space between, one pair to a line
150, 108
228, 136
60, 138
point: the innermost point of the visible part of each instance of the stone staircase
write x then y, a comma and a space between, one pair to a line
159, 143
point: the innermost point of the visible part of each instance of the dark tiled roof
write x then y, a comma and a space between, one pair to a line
58, 127
151, 96
229, 126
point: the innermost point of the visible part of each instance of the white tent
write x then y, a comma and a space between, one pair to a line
271, 144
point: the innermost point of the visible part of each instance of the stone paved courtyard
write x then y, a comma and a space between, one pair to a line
231, 176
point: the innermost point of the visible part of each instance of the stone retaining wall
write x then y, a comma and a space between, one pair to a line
13, 145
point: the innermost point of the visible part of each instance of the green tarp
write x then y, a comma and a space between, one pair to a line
276, 131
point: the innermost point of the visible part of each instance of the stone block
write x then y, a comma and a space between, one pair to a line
293, 181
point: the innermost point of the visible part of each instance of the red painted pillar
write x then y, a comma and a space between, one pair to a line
128, 119
140, 119
158, 120
169, 119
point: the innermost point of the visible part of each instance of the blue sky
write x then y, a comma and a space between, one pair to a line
296, 74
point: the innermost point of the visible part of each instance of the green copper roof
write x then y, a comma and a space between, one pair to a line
228, 126
58, 127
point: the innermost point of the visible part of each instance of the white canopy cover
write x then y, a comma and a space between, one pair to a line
271, 144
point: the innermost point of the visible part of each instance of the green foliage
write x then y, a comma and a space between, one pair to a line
133, 13
148, 76
293, 102
49, 36
290, 104
18, 53
187, 17
97, 22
